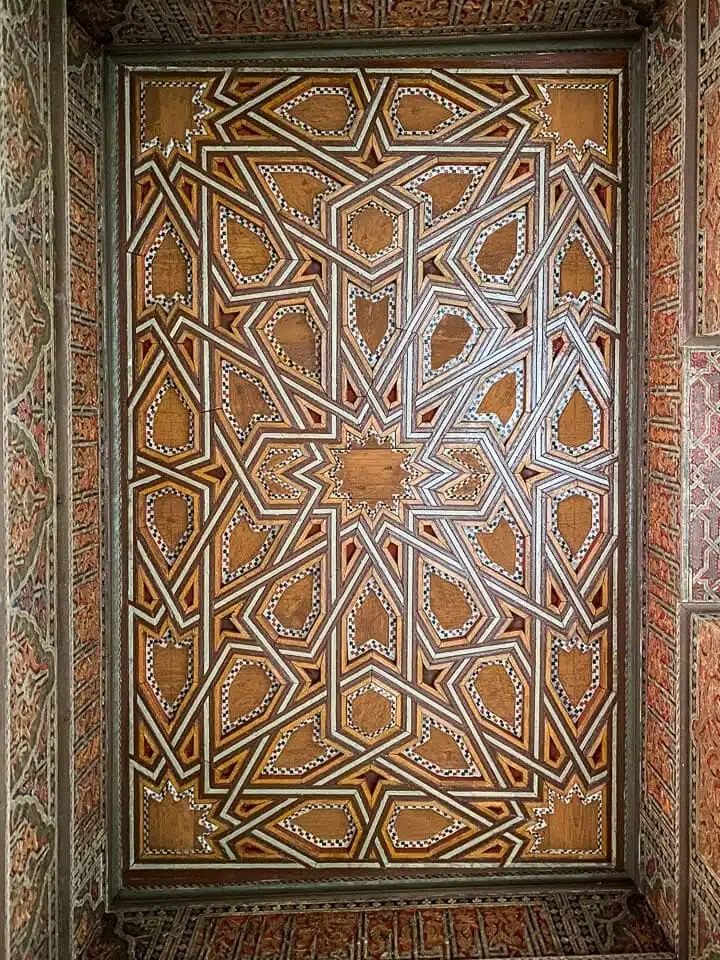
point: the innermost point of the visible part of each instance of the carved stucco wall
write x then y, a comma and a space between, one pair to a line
676, 400
680, 813
702, 581
659, 822
84, 217
28, 442
189, 21
51, 760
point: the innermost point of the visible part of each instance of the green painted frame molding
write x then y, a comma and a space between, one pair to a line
486, 50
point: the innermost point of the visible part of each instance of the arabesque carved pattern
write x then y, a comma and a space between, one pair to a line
602, 925
27, 594
143, 21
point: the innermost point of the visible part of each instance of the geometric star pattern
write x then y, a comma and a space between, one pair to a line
371, 429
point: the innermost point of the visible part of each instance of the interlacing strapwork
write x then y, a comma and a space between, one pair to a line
372, 338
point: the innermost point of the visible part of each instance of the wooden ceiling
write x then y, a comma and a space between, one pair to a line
124, 22
374, 531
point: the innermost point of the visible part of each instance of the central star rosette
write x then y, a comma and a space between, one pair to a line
374, 473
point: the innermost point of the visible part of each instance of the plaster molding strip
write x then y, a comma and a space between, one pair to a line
4, 733
688, 330
63, 489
